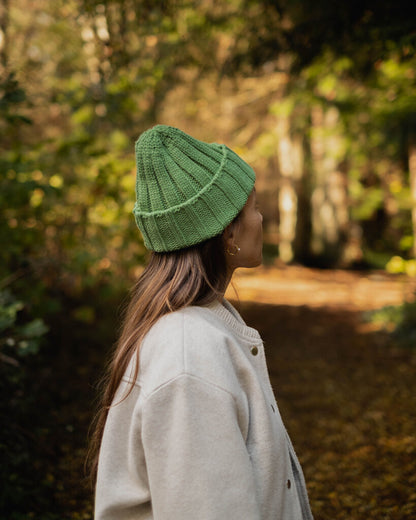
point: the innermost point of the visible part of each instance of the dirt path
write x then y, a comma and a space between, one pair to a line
346, 392
313, 287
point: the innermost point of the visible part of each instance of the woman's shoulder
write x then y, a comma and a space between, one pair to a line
186, 326
190, 341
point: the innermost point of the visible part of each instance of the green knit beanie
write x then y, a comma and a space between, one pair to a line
186, 190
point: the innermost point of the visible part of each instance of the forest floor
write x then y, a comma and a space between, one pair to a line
345, 389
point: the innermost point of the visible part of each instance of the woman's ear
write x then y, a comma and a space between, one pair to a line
229, 235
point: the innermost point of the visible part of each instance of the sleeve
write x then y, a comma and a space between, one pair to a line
197, 462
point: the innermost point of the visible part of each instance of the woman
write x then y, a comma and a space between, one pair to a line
189, 427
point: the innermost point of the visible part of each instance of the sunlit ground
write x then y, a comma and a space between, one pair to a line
315, 288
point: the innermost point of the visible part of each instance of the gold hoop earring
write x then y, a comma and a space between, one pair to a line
233, 253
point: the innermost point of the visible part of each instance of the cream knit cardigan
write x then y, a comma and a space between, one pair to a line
200, 436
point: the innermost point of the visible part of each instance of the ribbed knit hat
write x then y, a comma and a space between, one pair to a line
186, 190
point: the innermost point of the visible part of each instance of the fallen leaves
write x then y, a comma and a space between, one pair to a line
346, 392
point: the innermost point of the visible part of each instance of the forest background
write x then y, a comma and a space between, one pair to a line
319, 97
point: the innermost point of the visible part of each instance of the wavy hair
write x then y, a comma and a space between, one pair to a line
193, 276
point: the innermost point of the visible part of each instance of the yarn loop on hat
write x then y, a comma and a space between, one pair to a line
187, 191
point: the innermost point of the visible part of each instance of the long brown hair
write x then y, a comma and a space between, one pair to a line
193, 276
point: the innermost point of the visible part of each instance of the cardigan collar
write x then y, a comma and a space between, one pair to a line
230, 316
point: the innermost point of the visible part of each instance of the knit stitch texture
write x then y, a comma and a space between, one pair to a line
187, 191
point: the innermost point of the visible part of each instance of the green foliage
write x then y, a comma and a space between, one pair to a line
399, 265
399, 321
377, 115
11, 94
17, 339
20, 341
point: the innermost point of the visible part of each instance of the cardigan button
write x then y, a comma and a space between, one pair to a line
288, 484
254, 351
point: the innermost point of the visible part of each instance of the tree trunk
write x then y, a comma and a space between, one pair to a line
290, 155
412, 180
4, 24
329, 201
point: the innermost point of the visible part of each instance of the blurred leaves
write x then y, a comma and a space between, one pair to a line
11, 94
399, 321
17, 339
